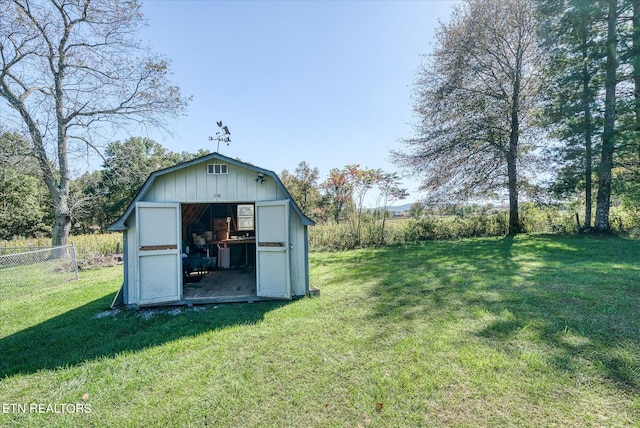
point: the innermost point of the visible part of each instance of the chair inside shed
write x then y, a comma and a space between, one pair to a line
218, 251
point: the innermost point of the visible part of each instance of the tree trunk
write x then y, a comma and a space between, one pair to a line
636, 71
608, 134
62, 225
512, 154
512, 173
588, 148
514, 220
636, 61
59, 191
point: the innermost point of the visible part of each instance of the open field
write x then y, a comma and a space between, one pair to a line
514, 331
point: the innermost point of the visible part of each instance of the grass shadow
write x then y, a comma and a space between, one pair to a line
437, 273
89, 332
575, 297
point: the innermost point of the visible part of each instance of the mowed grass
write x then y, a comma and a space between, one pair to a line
515, 331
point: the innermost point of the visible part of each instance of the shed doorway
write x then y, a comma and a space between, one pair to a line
218, 252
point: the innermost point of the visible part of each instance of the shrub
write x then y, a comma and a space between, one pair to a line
419, 229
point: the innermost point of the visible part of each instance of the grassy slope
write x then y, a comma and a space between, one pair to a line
525, 331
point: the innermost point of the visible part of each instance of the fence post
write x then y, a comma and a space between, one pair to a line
74, 261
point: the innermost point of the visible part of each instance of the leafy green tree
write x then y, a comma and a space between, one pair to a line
337, 195
603, 202
25, 208
303, 187
359, 181
127, 166
416, 210
87, 195
626, 173
595, 65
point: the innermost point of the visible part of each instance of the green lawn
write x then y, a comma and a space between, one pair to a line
525, 331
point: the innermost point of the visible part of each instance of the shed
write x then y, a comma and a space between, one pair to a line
209, 230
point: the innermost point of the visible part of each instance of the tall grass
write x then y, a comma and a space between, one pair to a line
88, 248
341, 236
96, 245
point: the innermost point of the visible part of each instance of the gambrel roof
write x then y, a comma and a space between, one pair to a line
120, 225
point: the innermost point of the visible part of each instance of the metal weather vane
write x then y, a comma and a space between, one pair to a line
221, 136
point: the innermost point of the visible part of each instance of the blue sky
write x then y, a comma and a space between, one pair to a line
326, 82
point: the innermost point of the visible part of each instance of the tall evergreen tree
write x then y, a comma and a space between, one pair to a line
570, 33
626, 177
603, 202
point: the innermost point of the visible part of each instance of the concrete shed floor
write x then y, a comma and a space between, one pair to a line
229, 283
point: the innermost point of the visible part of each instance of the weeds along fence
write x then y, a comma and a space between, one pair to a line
91, 249
332, 236
37, 266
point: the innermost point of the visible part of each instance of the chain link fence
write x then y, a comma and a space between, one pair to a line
36, 266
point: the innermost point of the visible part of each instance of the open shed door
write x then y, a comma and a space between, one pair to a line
272, 249
159, 256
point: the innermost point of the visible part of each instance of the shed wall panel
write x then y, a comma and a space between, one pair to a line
222, 185
180, 184
237, 189
132, 256
161, 195
297, 258
170, 189
191, 194
195, 184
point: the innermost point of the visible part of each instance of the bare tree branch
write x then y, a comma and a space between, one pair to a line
67, 70
472, 99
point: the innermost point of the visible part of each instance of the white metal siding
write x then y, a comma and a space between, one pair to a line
194, 185
132, 254
297, 258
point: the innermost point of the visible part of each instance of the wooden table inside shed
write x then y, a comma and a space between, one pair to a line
235, 241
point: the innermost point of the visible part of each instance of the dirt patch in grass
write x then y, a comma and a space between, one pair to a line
100, 260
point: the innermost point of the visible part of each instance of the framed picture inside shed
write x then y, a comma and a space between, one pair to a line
246, 217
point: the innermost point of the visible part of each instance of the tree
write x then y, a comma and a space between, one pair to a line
626, 180
360, 181
603, 39
127, 166
24, 203
92, 204
571, 32
337, 194
70, 71
303, 187
416, 210
390, 192
603, 202
473, 100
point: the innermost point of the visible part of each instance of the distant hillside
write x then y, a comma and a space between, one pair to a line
399, 208
395, 208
